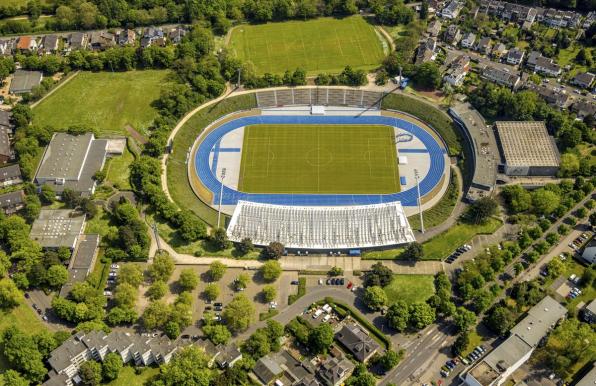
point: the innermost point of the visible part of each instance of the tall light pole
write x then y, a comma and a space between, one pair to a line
419, 201
223, 175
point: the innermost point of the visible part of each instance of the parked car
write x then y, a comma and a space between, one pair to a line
44, 318
341, 281
294, 282
350, 285
114, 266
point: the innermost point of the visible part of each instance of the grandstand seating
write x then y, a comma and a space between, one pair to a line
321, 228
319, 96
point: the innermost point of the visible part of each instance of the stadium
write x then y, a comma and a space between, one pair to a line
319, 169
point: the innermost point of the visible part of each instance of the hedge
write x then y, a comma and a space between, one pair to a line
301, 291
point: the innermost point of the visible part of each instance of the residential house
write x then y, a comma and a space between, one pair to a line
584, 108
12, 202
452, 35
589, 313
10, 175
26, 44
335, 371
267, 370
468, 40
137, 349
6, 153
584, 80
589, 253
589, 20
532, 58
102, 40
484, 46
78, 41
22, 81
50, 44
547, 66
452, 10
554, 98
515, 56
7, 47
153, 36
516, 13
501, 76
457, 71
127, 37
5, 120
426, 51
434, 28
284, 368
559, 18
499, 51
227, 355
176, 35
357, 342
500, 363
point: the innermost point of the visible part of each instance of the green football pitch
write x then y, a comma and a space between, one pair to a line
319, 45
328, 159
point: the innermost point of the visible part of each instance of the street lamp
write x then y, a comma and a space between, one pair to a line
223, 175
419, 201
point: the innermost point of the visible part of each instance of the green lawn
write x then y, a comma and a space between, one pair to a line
127, 376
105, 101
444, 244
319, 45
328, 159
442, 209
410, 288
118, 171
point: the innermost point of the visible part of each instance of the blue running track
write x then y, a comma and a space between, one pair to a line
211, 143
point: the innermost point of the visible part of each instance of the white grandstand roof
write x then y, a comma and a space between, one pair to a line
321, 227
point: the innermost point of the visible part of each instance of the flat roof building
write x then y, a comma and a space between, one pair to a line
527, 149
499, 364
82, 261
71, 161
23, 81
55, 228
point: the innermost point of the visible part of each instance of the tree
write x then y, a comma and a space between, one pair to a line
374, 297
216, 271
157, 290
271, 270
219, 238
378, 275
424, 10
22, 354
413, 251
190, 227
188, 367
460, 344
482, 209
544, 202
112, 364
257, 345
555, 268
427, 76
398, 315
463, 319
211, 291
320, 338
241, 282
389, 360
421, 315
499, 319
57, 276
517, 198
10, 295
361, 377
188, 280
244, 246
239, 313
217, 333
269, 293
90, 373
13, 378
162, 267
274, 250
569, 165
131, 273
336, 271
155, 315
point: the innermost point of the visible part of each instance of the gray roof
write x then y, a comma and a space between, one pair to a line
5, 118
11, 199
78, 40
309, 381
85, 252
57, 228
5, 148
515, 53
526, 144
585, 78
267, 370
10, 172
590, 378
592, 306
227, 354
23, 81
534, 55
357, 342
71, 161
50, 42
335, 369
206, 345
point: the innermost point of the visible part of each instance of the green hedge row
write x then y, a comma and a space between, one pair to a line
301, 291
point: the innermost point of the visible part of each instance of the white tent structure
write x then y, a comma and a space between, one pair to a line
321, 227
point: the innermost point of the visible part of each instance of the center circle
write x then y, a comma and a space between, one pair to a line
318, 156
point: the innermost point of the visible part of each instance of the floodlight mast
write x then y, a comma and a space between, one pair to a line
419, 201
223, 176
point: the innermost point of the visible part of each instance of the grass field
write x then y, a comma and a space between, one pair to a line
127, 376
410, 288
319, 45
118, 170
333, 159
104, 100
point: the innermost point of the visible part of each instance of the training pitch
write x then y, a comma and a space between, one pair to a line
319, 45
328, 159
